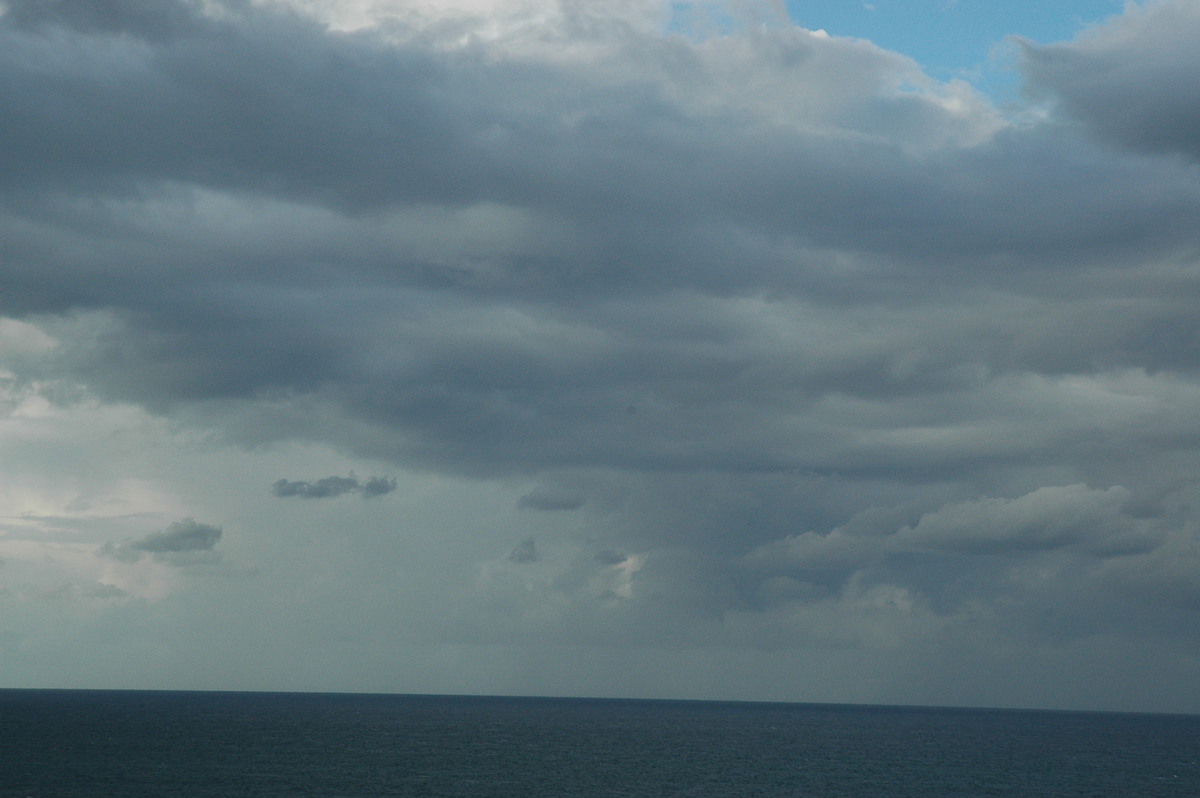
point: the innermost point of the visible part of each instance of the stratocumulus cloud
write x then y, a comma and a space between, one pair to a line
792, 358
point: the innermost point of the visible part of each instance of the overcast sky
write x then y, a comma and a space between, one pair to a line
617, 349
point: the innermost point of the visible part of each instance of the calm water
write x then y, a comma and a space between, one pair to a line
100, 743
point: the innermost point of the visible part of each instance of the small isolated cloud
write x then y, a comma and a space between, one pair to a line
610, 557
184, 538
545, 499
331, 487
185, 535
525, 552
377, 486
326, 488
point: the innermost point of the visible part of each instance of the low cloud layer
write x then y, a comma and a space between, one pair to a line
773, 342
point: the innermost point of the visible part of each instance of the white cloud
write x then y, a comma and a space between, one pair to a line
467, 21
18, 338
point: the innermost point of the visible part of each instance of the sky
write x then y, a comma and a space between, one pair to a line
634, 349
951, 38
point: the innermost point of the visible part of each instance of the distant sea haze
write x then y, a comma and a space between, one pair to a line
142, 743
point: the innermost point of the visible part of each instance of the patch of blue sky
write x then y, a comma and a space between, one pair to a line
964, 39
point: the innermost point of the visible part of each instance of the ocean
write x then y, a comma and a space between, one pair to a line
144, 743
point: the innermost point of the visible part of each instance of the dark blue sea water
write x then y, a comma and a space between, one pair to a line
116, 743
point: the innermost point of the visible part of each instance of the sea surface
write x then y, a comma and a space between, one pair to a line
140, 743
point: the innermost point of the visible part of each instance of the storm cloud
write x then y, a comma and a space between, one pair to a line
839, 357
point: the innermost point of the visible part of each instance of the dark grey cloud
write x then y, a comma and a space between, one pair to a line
144, 18
174, 543
185, 535
377, 486
551, 499
1132, 82
596, 283
330, 487
321, 489
610, 557
525, 552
